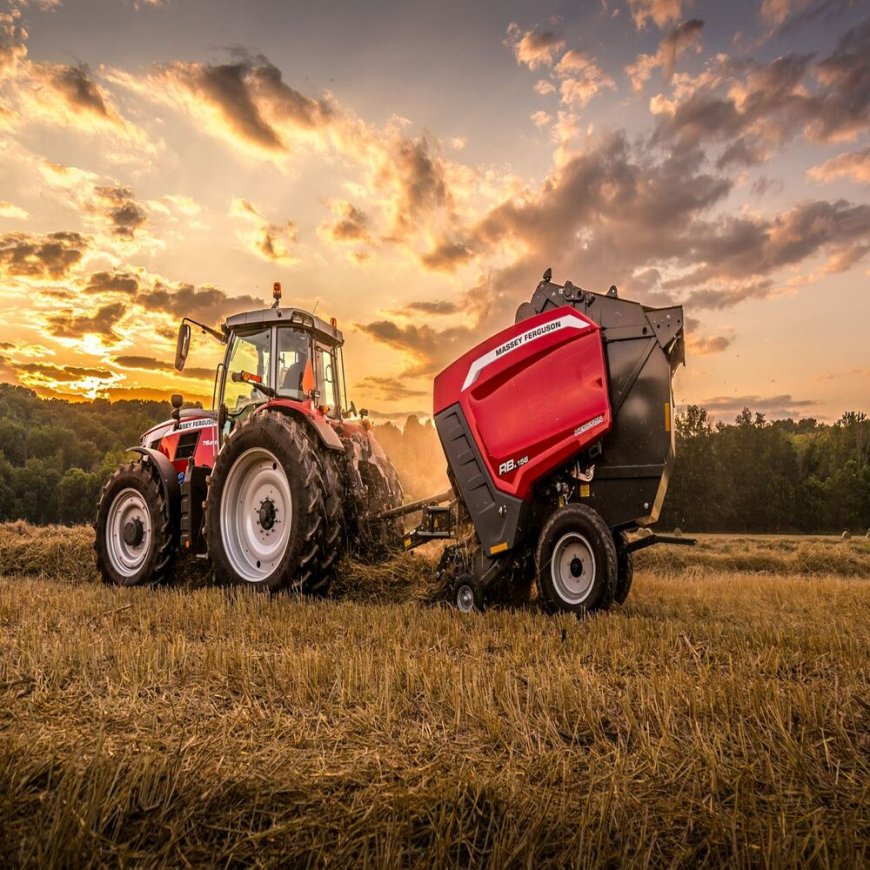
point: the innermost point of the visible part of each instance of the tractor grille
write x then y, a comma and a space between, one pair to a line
186, 445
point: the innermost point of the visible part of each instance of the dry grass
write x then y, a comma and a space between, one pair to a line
720, 717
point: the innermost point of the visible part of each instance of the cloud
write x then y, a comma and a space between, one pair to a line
660, 12
150, 364
112, 282
429, 349
13, 212
421, 184
779, 16
854, 165
446, 256
533, 48
541, 118
581, 78
440, 306
244, 101
207, 304
13, 38
685, 36
41, 256
543, 87
389, 389
63, 374
351, 224
111, 207
780, 406
69, 324
270, 242
740, 248
764, 105
705, 345
117, 206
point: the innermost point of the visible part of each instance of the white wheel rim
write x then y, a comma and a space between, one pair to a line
256, 514
573, 568
128, 532
465, 598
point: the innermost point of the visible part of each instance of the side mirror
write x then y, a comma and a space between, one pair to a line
182, 346
363, 412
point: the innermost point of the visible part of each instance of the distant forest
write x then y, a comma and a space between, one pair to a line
748, 476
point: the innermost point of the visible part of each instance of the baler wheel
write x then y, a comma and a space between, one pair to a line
624, 569
265, 511
576, 561
135, 542
467, 594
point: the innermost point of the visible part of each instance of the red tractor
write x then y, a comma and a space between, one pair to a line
273, 486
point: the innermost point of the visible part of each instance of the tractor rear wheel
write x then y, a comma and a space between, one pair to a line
624, 569
135, 541
265, 512
576, 561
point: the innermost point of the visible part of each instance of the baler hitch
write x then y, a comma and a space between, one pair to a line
649, 540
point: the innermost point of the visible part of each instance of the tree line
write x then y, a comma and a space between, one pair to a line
748, 476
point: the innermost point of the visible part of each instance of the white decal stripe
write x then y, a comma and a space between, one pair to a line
566, 321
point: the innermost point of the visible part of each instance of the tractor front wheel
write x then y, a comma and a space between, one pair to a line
135, 542
576, 561
265, 510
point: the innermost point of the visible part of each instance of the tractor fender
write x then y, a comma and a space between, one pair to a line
328, 436
168, 477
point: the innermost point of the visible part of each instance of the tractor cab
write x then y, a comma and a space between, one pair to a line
279, 353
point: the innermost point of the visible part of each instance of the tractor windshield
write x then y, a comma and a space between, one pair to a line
293, 356
249, 355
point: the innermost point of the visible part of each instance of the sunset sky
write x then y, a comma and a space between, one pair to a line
413, 168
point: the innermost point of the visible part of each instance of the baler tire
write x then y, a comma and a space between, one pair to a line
579, 526
298, 568
467, 595
624, 569
158, 561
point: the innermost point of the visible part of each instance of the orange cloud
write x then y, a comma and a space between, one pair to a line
854, 165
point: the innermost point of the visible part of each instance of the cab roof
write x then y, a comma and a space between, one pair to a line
295, 317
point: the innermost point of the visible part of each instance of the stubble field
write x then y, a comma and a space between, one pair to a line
721, 716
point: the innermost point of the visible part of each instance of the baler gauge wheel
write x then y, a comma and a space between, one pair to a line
467, 594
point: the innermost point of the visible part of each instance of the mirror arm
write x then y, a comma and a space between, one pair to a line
220, 336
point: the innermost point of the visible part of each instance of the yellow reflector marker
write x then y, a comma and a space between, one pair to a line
667, 416
498, 548
407, 542
584, 490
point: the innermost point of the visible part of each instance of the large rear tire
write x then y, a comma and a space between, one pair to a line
135, 541
576, 561
265, 513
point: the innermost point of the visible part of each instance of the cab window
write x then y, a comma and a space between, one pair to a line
327, 384
293, 356
249, 353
